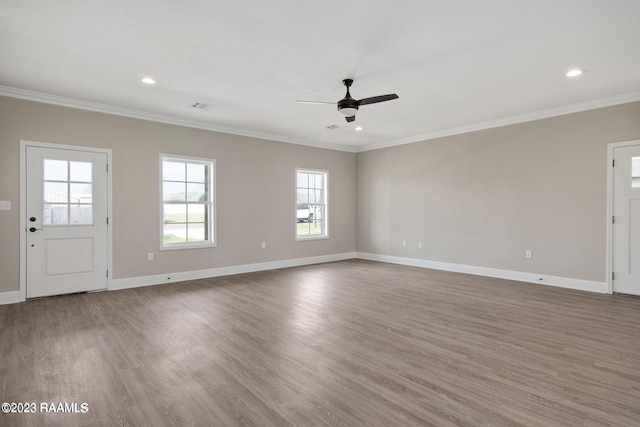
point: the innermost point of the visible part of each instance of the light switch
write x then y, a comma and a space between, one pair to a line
5, 205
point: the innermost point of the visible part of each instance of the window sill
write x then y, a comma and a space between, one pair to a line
179, 246
304, 239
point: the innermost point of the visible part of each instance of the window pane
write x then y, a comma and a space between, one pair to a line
303, 180
195, 193
173, 171
174, 213
196, 232
173, 192
81, 193
81, 171
303, 229
318, 181
316, 212
56, 192
317, 196
55, 214
196, 213
303, 196
635, 172
175, 233
195, 172
315, 228
55, 170
81, 214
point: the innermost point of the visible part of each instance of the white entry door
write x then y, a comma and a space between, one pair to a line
67, 231
626, 223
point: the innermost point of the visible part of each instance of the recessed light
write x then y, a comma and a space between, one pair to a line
573, 73
359, 128
148, 81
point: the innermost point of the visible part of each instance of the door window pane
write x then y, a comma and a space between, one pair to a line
55, 170
81, 193
56, 192
55, 214
81, 171
81, 214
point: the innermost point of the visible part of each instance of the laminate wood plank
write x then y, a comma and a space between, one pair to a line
350, 343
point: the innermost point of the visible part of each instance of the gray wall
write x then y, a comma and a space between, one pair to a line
255, 189
478, 199
483, 198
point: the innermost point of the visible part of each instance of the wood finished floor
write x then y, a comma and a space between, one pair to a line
351, 343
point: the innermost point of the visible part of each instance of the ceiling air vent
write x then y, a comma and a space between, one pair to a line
202, 106
333, 127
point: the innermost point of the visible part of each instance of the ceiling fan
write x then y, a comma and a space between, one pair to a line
349, 106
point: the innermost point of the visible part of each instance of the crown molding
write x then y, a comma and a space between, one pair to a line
163, 118
62, 101
522, 118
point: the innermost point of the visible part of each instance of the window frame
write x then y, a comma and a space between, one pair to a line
325, 189
211, 202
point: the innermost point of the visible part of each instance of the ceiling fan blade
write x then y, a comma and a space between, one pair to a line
375, 99
315, 102
350, 119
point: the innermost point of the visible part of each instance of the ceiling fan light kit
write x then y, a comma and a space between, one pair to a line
349, 106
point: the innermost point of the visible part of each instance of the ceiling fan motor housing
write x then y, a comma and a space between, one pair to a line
347, 105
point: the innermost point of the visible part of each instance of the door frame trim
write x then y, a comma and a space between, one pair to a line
610, 148
23, 205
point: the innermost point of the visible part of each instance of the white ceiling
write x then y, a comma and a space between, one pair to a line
456, 65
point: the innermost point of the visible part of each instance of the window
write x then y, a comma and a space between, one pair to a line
635, 172
311, 204
67, 193
188, 195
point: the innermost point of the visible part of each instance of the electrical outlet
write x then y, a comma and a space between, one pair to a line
528, 253
404, 243
419, 245
264, 245
150, 256
5, 205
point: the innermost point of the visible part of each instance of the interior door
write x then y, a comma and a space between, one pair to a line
67, 231
626, 224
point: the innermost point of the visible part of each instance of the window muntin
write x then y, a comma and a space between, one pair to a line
188, 215
311, 204
67, 193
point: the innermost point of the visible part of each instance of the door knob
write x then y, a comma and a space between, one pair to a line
33, 229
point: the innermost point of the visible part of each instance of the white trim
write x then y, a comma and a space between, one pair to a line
23, 205
610, 153
158, 279
522, 118
11, 297
541, 279
155, 117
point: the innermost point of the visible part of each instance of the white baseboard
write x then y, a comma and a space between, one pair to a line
541, 279
157, 279
10, 297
